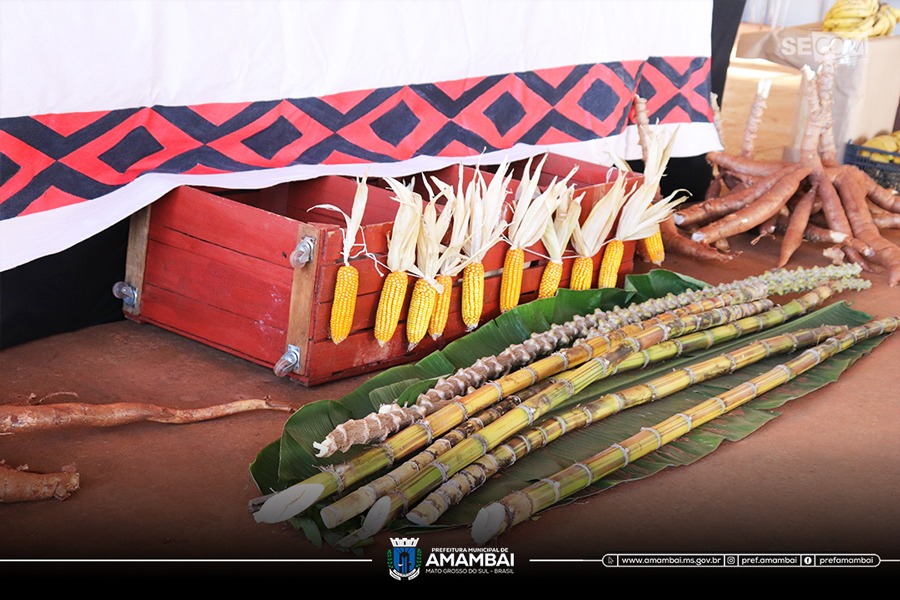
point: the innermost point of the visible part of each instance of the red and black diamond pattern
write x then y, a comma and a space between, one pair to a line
50, 161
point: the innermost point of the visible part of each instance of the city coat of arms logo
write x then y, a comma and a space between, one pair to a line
404, 559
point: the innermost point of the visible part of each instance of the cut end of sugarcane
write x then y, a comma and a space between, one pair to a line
418, 519
379, 515
288, 503
489, 523
325, 448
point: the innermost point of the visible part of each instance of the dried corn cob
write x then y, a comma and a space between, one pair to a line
452, 260
651, 248
588, 238
532, 213
487, 223
344, 303
346, 286
556, 239
641, 213
401, 256
428, 261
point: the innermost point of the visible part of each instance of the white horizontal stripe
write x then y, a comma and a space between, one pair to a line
89, 55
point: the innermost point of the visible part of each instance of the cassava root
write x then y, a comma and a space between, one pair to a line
20, 419
22, 485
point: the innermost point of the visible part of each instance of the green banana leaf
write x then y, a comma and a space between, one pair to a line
291, 458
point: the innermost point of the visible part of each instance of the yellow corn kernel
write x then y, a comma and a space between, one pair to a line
582, 273
609, 267
344, 304
511, 279
441, 308
651, 248
550, 280
472, 294
421, 307
390, 304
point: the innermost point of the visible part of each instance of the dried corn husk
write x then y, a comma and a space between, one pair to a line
401, 252
533, 211
588, 237
353, 220
560, 229
640, 215
487, 212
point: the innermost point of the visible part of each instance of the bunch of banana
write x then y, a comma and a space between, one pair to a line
860, 19
889, 142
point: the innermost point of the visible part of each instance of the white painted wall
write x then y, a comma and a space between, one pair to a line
786, 13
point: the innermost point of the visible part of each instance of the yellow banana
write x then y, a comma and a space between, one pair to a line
886, 142
848, 8
842, 14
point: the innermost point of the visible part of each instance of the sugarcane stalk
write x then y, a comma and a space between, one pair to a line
364, 497
564, 386
297, 498
391, 418
336, 478
473, 476
500, 516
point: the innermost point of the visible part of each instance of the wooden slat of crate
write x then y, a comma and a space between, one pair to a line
217, 270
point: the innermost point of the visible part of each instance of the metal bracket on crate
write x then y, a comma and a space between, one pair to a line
289, 361
125, 292
302, 254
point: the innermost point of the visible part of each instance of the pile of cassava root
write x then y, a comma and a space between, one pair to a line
815, 199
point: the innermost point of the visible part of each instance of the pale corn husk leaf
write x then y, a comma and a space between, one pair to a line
588, 238
531, 211
640, 215
487, 212
619, 162
637, 225
559, 231
353, 221
524, 196
401, 254
453, 260
429, 248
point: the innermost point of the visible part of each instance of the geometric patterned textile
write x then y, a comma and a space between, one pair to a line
50, 161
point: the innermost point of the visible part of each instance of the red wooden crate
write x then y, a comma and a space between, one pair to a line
215, 266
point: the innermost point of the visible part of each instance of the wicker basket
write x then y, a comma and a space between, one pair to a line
885, 172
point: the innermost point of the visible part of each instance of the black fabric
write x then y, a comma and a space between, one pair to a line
693, 173
65, 291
